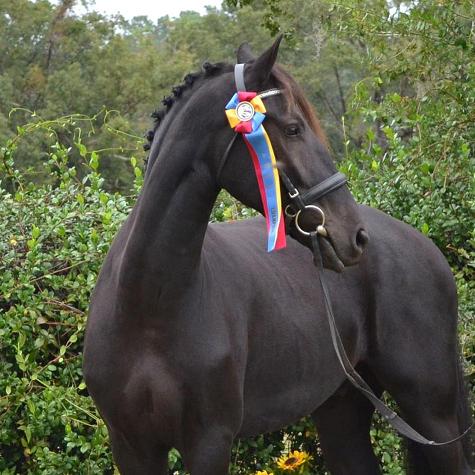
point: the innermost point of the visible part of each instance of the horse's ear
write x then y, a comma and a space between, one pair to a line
244, 54
262, 66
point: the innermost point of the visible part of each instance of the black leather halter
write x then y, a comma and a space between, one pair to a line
304, 202
300, 202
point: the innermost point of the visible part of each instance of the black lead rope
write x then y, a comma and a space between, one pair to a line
352, 375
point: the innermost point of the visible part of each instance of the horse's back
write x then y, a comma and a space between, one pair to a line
401, 244
405, 268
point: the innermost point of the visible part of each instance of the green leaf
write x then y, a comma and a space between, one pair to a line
389, 132
107, 217
21, 340
35, 232
82, 149
94, 161
103, 197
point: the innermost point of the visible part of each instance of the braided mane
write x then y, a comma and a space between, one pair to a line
208, 70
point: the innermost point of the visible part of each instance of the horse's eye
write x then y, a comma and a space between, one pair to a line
292, 130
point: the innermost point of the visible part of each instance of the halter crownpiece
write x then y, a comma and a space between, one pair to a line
239, 77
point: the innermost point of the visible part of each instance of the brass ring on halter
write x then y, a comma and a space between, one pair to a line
320, 228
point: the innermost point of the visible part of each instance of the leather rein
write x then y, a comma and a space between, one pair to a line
305, 202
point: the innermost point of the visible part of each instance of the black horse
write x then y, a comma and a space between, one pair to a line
197, 336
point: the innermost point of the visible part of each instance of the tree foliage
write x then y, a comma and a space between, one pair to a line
55, 62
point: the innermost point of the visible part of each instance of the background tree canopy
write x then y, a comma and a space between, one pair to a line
393, 83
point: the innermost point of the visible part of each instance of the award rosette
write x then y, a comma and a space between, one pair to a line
246, 112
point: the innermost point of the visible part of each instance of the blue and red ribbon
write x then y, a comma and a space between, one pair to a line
263, 159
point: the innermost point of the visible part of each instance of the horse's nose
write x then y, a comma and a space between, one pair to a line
361, 240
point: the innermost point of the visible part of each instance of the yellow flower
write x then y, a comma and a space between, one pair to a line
293, 460
13, 242
263, 472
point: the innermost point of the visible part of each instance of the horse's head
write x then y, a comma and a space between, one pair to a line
221, 157
302, 158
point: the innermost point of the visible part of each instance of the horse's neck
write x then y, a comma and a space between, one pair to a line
166, 232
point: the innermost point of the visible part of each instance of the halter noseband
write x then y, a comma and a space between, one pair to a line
300, 202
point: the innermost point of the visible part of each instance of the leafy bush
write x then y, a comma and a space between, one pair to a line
52, 241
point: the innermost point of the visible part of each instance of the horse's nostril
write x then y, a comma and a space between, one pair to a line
362, 239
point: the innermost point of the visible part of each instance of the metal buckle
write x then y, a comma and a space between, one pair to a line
293, 195
320, 228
